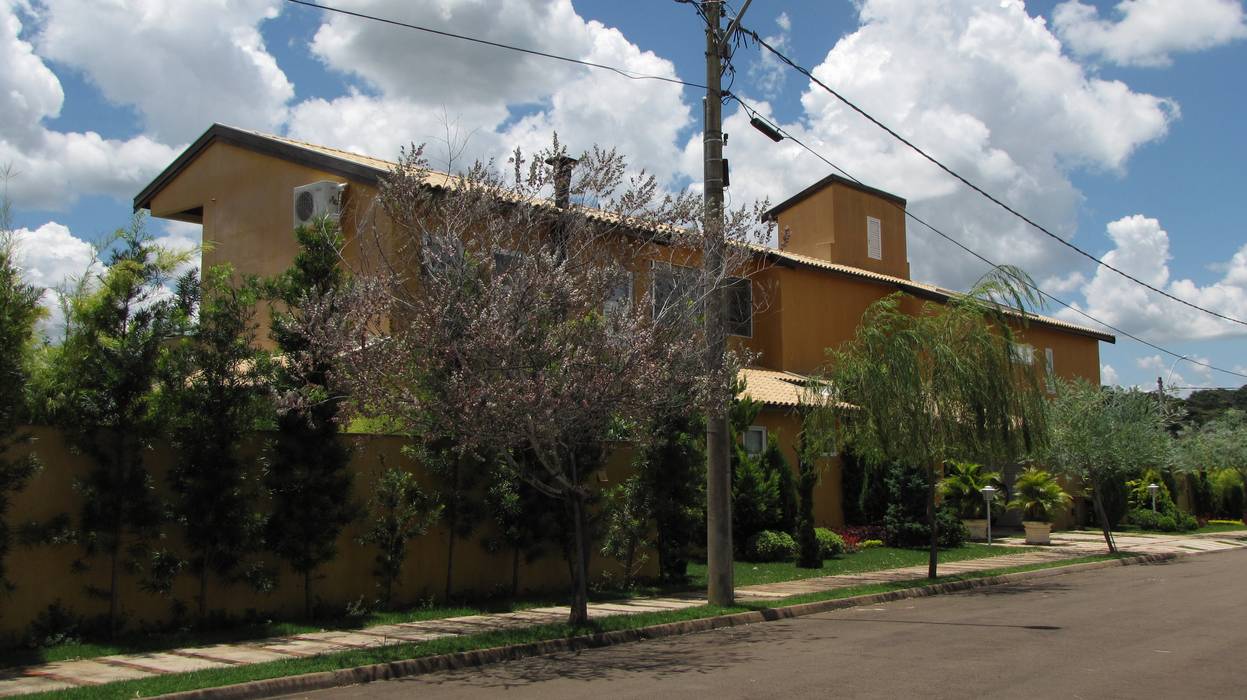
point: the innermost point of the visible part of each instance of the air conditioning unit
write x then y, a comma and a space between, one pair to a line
318, 199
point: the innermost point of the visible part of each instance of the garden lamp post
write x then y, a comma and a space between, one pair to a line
988, 492
1152, 489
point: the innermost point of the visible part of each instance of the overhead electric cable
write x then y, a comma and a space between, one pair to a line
802, 70
754, 114
439, 32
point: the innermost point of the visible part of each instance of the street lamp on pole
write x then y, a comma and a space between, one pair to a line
1152, 489
988, 492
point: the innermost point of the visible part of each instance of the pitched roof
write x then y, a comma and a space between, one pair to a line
832, 179
775, 388
369, 169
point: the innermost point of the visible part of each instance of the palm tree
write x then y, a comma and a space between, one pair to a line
1038, 495
963, 484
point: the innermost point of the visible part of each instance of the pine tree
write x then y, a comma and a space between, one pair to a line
215, 390
19, 310
307, 475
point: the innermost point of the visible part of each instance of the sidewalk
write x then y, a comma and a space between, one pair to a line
108, 669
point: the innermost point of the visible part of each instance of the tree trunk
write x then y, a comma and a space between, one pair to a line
113, 589
203, 593
450, 559
580, 585
933, 560
452, 523
628, 567
1103, 517
307, 594
515, 572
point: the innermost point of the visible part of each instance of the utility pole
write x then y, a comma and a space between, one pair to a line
720, 587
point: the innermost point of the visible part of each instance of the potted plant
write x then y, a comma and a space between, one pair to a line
1038, 495
962, 486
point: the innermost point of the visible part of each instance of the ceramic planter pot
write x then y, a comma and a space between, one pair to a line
1037, 532
977, 528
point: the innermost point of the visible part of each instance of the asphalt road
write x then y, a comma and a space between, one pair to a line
1174, 630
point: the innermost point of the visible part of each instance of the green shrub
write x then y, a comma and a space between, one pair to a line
1227, 493
829, 543
905, 524
769, 545
1177, 521
870, 544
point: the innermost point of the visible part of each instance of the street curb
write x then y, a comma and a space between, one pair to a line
469, 659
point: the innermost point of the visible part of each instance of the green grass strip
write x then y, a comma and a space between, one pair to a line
173, 683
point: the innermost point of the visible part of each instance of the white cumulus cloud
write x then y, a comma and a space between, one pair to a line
1147, 32
182, 65
986, 88
1108, 375
1141, 248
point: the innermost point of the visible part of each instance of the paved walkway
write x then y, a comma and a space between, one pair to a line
69, 674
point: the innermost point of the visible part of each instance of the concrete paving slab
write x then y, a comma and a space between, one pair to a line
236, 653
403, 633
164, 662
89, 672
24, 685
302, 647
354, 640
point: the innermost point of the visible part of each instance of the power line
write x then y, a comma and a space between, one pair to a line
778, 54
780, 130
533, 52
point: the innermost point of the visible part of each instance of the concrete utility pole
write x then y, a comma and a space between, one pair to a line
720, 587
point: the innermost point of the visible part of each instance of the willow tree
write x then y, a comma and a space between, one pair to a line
1103, 437
941, 382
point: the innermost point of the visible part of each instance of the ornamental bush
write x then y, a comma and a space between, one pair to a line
870, 544
769, 545
905, 524
829, 543
1177, 521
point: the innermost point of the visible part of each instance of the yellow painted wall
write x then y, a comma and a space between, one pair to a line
43, 574
831, 224
828, 494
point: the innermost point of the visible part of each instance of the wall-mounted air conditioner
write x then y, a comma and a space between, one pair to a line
317, 199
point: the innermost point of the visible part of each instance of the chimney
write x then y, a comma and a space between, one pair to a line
562, 166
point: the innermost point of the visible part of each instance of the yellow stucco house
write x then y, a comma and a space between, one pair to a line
846, 248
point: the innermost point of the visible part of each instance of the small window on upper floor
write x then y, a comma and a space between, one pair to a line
1049, 370
1023, 354
676, 290
755, 440
874, 238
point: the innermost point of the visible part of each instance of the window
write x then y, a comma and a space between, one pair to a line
1049, 370
675, 285
620, 299
755, 439
440, 254
874, 238
1023, 354
740, 306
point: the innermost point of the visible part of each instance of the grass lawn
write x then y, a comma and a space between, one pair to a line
1223, 527
227, 676
876, 559
746, 574
1210, 528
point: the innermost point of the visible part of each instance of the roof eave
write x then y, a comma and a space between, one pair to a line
259, 144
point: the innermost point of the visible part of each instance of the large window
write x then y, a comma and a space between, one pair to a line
677, 289
740, 307
620, 296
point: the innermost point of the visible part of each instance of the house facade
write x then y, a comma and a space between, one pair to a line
845, 248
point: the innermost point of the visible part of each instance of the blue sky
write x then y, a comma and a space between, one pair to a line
1116, 124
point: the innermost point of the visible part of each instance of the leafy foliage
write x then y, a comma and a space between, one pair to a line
1103, 437
769, 545
215, 389
906, 524
626, 526
19, 310
672, 468
399, 511
830, 544
307, 477
939, 382
102, 388
1038, 495
962, 488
